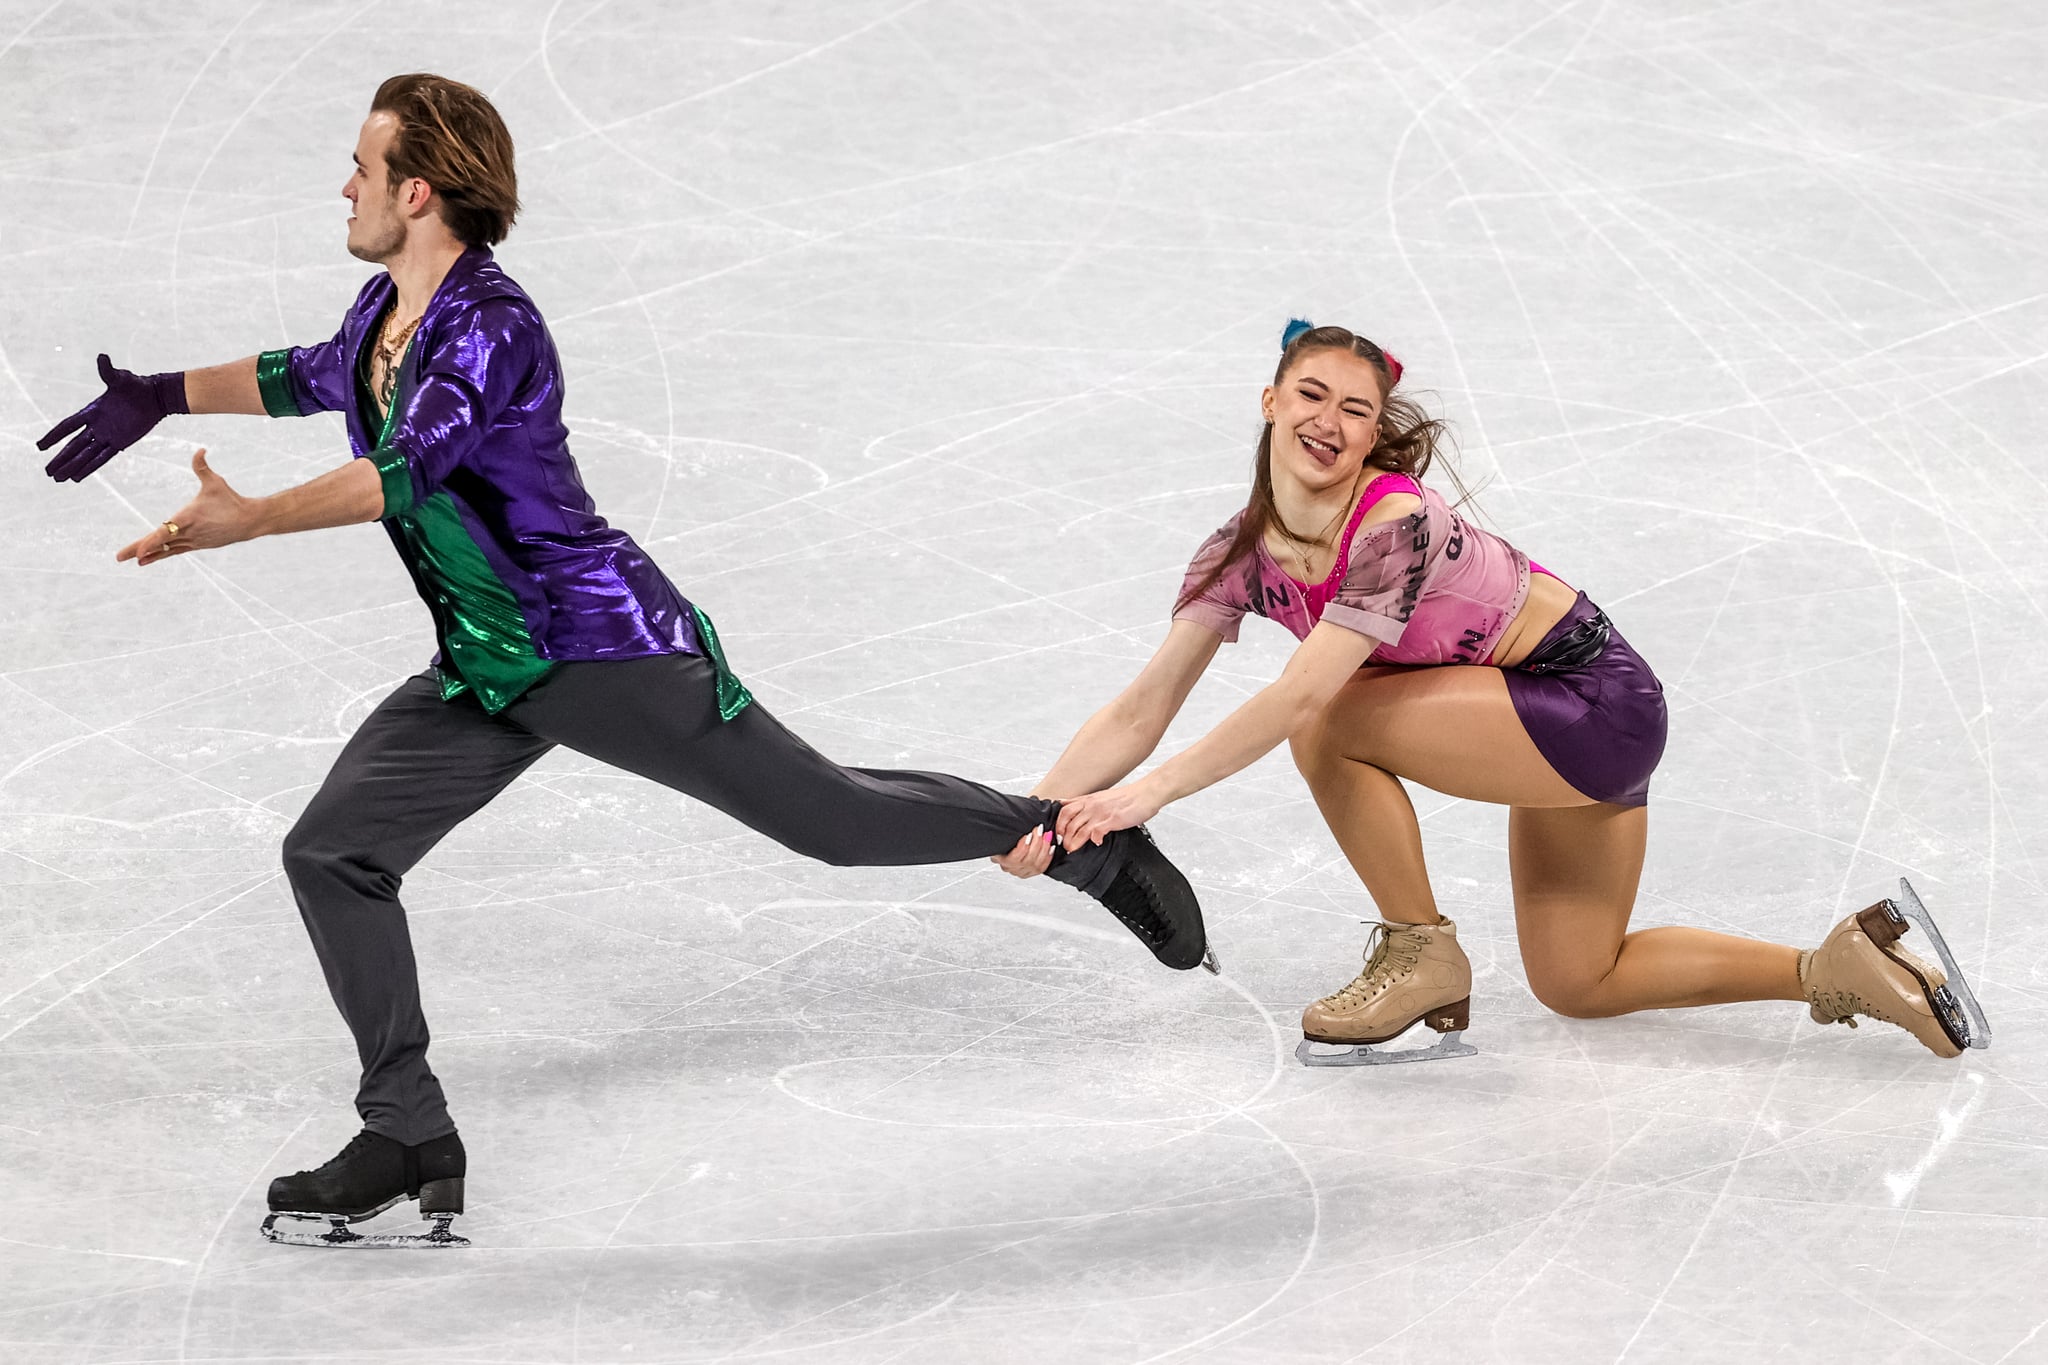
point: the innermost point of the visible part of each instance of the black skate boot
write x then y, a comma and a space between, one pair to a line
1141, 887
367, 1177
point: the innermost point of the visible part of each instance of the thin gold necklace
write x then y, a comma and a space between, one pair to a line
1302, 547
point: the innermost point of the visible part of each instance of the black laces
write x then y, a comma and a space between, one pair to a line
355, 1144
1131, 899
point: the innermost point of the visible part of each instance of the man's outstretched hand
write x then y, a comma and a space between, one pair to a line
217, 516
132, 405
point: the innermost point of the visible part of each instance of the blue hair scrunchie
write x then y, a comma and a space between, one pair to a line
1296, 326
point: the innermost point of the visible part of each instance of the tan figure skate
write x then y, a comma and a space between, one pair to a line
1861, 969
1414, 974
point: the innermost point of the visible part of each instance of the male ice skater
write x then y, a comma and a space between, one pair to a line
554, 628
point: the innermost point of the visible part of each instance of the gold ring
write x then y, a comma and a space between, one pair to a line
172, 527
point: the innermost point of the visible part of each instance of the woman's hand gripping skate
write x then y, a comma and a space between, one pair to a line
1092, 818
1031, 856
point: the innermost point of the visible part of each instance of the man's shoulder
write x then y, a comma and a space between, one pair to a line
481, 310
487, 301
479, 281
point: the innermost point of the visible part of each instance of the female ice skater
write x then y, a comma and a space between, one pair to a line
1435, 651
554, 628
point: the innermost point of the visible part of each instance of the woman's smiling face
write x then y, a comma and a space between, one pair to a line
1325, 413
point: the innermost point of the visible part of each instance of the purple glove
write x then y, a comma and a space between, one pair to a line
117, 419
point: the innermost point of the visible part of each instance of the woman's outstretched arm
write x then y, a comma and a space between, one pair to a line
1323, 663
1124, 733
1121, 735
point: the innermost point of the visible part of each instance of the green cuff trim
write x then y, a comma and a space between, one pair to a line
397, 479
274, 382
733, 696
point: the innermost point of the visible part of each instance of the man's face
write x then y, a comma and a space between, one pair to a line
376, 226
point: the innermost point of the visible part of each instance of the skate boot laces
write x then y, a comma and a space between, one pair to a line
1133, 899
340, 1158
1388, 958
1842, 1007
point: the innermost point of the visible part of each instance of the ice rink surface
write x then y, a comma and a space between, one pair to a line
921, 343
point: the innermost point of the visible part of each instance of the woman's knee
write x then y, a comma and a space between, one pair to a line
1305, 744
1572, 976
1351, 728
1574, 995
1315, 748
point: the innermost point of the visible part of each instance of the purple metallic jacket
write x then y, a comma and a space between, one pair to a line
481, 496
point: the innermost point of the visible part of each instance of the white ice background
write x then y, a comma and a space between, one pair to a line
921, 343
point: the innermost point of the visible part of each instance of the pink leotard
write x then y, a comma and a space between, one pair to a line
1431, 587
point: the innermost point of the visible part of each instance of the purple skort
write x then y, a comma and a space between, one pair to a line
1592, 706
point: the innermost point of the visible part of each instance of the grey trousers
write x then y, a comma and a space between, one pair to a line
419, 766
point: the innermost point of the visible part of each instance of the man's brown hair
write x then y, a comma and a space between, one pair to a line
451, 137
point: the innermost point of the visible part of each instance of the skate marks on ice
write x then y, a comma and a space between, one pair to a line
1950, 1124
1087, 928
921, 1090
957, 1121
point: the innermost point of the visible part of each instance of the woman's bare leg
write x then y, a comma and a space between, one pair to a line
1575, 863
1575, 873
1368, 810
1441, 727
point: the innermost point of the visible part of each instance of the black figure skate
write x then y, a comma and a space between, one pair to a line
1147, 892
370, 1175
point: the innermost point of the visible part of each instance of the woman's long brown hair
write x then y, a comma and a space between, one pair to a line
1409, 441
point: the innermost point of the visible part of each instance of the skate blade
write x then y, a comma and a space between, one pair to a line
1209, 962
339, 1234
1451, 1044
1955, 1000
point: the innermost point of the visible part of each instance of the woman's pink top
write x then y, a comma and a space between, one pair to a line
1431, 587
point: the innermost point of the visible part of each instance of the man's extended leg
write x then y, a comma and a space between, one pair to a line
657, 717
416, 768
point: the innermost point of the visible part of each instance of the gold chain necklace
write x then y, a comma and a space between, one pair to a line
1303, 547
389, 350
